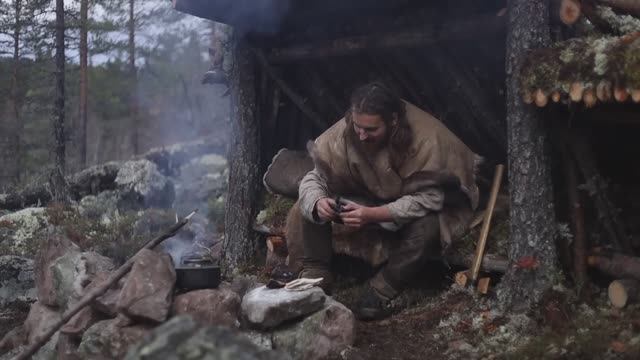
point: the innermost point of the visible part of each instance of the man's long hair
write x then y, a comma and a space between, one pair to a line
376, 98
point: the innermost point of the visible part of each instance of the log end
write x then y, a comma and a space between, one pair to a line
570, 11
618, 295
462, 278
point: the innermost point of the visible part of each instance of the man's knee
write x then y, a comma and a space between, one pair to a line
423, 232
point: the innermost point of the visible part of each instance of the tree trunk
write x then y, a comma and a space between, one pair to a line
58, 183
135, 146
15, 94
244, 159
84, 5
532, 253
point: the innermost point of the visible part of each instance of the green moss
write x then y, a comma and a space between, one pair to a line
632, 64
275, 210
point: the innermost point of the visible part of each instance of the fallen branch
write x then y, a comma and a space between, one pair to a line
100, 290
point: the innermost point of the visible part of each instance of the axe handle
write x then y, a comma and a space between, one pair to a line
484, 233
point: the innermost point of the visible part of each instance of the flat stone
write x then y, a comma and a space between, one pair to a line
148, 290
267, 308
209, 306
325, 333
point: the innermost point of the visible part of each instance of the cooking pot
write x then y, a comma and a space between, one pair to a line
197, 271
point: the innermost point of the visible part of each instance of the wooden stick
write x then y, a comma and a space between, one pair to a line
95, 293
577, 221
622, 291
293, 96
484, 233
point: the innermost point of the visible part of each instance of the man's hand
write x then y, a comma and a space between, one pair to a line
325, 209
355, 215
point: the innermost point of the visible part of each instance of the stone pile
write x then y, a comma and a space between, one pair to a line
145, 308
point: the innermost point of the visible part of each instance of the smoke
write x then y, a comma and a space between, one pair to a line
177, 247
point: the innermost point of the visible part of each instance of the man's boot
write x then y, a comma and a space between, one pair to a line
372, 305
319, 272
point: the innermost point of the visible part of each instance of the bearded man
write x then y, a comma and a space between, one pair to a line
405, 171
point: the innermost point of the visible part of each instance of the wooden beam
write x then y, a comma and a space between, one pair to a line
293, 96
485, 25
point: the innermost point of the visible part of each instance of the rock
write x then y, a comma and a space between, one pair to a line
323, 334
263, 340
67, 347
242, 284
21, 230
267, 308
40, 319
101, 207
16, 280
148, 290
80, 322
105, 339
14, 338
108, 302
73, 271
141, 185
182, 338
209, 306
153, 221
54, 246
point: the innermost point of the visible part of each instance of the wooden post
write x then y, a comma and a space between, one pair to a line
244, 160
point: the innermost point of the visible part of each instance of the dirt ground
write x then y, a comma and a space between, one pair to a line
448, 322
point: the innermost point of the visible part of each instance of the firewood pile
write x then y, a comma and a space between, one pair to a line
598, 66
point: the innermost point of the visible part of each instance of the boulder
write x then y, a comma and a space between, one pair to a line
242, 284
107, 340
21, 231
141, 185
267, 308
54, 246
107, 303
148, 290
101, 207
262, 339
209, 306
321, 335
16, 280
40, 319
182, 338
14, 338
73, 271
80, 322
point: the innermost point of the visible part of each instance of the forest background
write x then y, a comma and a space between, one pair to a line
143, 69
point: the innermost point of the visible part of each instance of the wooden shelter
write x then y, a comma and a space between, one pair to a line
296, 64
